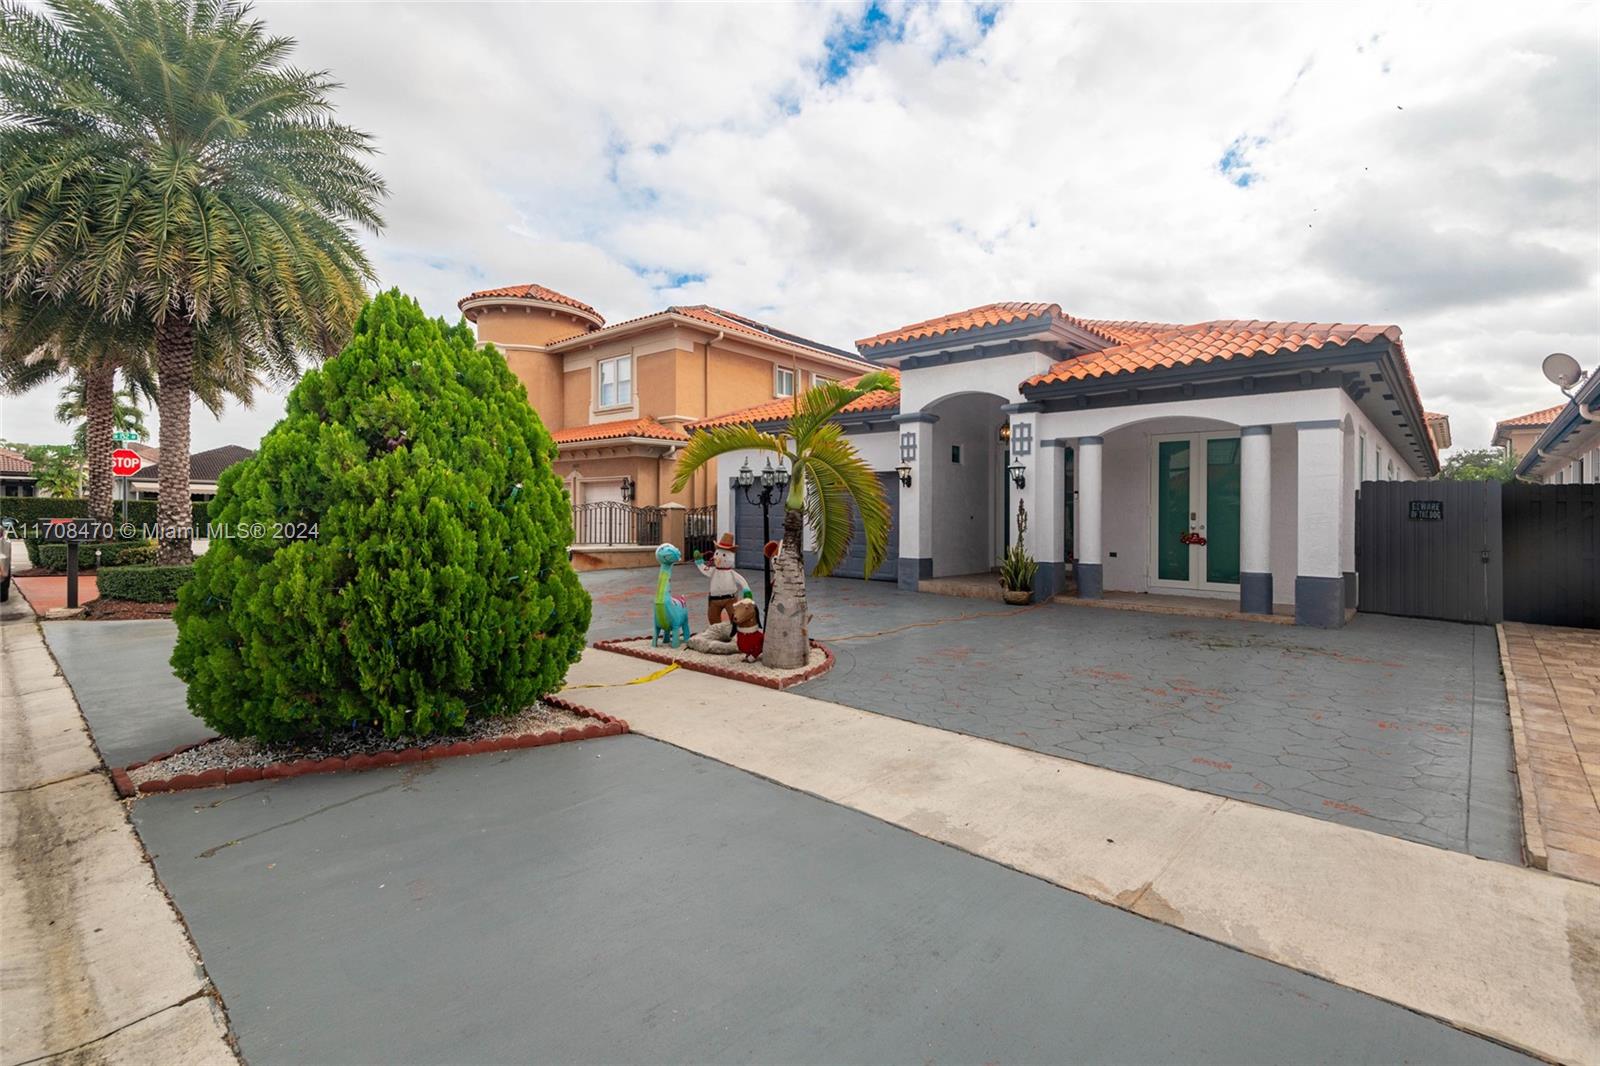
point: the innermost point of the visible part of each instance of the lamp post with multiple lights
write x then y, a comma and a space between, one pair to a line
774, 487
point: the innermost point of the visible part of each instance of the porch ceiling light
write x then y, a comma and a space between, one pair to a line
1016, 471
904, 473
746, 476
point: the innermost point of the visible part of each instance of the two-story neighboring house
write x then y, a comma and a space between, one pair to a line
616, 397
1519, 433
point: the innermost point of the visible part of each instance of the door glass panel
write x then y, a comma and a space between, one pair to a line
1172, 509
1222, 511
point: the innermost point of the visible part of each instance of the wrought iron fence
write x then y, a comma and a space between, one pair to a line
610, 523
699, 531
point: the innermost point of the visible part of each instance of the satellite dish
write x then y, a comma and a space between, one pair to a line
1562, 370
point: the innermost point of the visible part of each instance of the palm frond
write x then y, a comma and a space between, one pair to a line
706, 444
841, 479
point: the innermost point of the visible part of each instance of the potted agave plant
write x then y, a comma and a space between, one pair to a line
1019, 569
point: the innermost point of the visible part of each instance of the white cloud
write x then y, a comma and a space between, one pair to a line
1430, 165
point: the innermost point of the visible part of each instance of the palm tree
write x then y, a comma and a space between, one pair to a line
162, 163
42, 339
127, 416
826, 479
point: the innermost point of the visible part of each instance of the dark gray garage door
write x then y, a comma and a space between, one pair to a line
747, 532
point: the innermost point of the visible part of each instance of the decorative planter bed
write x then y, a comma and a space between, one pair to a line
728, 666
221, 761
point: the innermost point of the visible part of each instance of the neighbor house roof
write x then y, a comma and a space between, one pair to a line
204, 466
146, 452
530, 292
1531, 420
704, 316
777, 410
1208, 342
634, 427
14, 462
1438, 428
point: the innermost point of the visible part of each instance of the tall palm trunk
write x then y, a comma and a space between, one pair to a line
786, 645
100, 411
175, 373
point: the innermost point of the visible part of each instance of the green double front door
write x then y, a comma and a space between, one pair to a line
1195, 534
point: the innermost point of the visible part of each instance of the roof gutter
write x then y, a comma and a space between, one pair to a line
1581, 408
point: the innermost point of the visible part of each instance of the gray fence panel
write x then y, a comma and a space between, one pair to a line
1447, 566
1552, 543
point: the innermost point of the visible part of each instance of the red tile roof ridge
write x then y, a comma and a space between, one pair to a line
776, 410
530, 291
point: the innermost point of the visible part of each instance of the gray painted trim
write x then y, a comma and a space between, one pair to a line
915, 416
1049, 581
1255, 431
912, 570
1320, 423
1058, 442
1091, 440
1350, 587
1091, 580
1022, 408
1255, 593
1319, 601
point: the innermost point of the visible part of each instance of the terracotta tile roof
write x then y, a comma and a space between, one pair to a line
1210, 342
633, 427
715, 317
1129, 332
531, 292
1531, 420
997, 314
14, 462
777, 410
147, 453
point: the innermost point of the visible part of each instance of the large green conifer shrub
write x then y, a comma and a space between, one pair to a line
436, 586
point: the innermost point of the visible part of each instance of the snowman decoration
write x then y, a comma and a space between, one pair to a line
727, 584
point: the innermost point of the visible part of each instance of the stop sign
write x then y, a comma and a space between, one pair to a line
125, 462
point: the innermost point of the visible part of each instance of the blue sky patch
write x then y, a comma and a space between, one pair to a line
852, 42
1235, 164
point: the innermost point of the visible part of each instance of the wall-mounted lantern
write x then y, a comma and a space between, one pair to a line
1005, 433
627, 490
1016, 471
904, 473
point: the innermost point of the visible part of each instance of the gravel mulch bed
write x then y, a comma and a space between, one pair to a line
252, 760
732, 667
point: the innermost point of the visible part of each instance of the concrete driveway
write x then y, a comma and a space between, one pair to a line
625, 901
1394, 725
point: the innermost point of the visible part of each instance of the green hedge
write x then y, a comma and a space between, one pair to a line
143, 584
112, 553
29, 511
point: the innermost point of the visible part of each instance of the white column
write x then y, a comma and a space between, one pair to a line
1043, 491
1255, 519
1089, 568
1319, 577
916, 499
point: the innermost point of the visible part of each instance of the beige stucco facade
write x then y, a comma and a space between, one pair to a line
682, 364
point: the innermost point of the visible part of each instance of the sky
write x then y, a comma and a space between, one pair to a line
841, 169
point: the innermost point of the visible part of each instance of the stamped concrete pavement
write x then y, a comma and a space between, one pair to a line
1394, 725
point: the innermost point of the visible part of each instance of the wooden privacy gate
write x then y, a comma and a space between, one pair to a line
1479, 551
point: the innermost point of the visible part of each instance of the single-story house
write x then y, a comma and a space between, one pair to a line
16, 474
1216, 459
204, 470
1567, 450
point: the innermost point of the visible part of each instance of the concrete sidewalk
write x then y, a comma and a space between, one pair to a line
97, 966
1508, 953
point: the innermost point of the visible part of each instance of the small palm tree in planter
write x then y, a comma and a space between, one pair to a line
1019, 569
826, 478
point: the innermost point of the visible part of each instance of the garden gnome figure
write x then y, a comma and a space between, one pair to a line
727, 584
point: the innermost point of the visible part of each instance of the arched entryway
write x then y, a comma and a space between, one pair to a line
971, 494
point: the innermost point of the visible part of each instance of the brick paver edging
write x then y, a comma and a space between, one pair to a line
626, 646
1532, 832
604, 725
